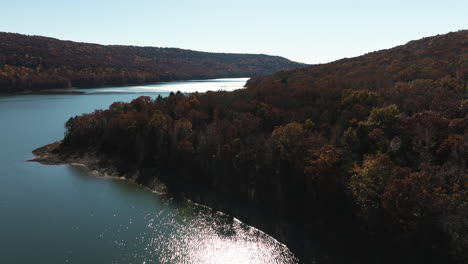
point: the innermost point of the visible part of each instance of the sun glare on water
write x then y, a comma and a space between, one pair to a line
214, 238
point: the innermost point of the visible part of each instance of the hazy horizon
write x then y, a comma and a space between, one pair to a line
117, 44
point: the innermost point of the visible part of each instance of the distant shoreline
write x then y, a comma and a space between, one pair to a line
44, 92
72, 90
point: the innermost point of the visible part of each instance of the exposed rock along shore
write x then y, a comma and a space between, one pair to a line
56, 154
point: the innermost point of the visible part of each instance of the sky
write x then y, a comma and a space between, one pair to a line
304, 31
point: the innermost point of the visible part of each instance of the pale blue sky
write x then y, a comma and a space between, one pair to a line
306, 31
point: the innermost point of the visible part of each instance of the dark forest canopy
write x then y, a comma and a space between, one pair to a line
36, 63
380, 140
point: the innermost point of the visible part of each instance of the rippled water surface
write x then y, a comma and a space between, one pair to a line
61, 214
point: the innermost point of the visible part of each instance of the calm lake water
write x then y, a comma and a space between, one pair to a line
62, 214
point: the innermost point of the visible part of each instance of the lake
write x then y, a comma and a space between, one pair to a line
63, 214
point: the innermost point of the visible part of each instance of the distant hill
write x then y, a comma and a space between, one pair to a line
35, 63
428, 58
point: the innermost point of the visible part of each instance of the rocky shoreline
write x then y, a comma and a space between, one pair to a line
56, 154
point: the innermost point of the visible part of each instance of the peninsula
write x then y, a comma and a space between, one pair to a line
378, 143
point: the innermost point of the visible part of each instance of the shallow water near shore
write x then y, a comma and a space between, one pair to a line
62, 214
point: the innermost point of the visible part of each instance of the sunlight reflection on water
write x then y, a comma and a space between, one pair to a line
194, 234
214, 238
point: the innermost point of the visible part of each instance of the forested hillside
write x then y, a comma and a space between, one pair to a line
380, 140
36, 63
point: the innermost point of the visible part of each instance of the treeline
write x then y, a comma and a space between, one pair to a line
380, 139
36, 63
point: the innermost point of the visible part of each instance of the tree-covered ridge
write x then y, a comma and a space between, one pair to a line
429, 58
381, 139
35, 63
